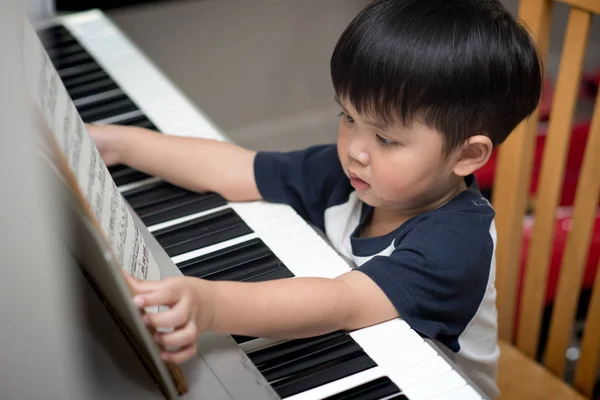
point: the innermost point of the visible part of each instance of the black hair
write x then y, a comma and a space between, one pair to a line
463, 67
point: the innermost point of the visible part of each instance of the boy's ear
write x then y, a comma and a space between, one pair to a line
474, 153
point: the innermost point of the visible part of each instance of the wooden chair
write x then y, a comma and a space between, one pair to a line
520, 376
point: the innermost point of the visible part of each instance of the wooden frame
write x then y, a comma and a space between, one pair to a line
511, 189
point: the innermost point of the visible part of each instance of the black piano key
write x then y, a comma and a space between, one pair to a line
61, 63
288, 365
139, 120
324, 373
127, 175
201, 232
190, 204
76, 81
239, 339
153, 194
64, 51
280, 273
298, 346
230, 257
106, 108
117, 167
303, 364
56, 36
78, 70
92, 88
374, 390
241, 273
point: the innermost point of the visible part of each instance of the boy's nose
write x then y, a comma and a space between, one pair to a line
359, 153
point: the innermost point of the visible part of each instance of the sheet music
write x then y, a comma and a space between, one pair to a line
93, 177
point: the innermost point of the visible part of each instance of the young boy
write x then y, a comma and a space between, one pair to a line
427, 89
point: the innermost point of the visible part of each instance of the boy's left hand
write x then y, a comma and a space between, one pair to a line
189, 314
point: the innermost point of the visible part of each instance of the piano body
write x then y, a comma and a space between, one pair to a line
111, 81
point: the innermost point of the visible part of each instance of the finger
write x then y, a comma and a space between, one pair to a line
180, 355
176, 316
164, 295
178, 338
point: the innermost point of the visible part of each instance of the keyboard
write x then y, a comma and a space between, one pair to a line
203, 235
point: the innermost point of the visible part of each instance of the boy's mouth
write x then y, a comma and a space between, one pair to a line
357, 183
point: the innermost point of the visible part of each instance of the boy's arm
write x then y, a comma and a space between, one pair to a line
280, 309
201, 165
299, 307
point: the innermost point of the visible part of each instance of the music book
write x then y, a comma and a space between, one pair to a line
109, 241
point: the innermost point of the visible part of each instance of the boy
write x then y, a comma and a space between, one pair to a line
426, 89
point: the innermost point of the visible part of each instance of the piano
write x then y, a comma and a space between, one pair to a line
202, 235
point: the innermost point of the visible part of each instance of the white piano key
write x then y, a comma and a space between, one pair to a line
462, 393
135, 185
180, 220
413, 353
377, 332
419, 372
392, 344
340, 385
119, 118
324, 268
435, 386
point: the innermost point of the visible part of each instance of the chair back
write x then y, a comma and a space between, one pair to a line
521, 325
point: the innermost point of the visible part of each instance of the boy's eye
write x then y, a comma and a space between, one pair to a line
348, 118
384, 142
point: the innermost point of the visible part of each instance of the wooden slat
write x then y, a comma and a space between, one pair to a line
576, 250
588, 5
511, 183
587, 367
553, 162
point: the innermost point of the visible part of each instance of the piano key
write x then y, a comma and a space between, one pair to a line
140, 121
232, 256
377, 332
303, 364
56, 36
435, 386
76, 81
201, 232
374, 390
95, 98
67, 61
279, 273
462, 393
78, 70
106, 108
344, 386
157, 204
117, 119
324, 373
127, 175
393, 344
419, 372
58, 52
153, 194
92, 88
410, 353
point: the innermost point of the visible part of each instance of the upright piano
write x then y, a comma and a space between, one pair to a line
112, 82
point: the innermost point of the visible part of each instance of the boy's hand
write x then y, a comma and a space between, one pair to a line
107, 139
189, 314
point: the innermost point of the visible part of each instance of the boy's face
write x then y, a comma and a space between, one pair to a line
399, 168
